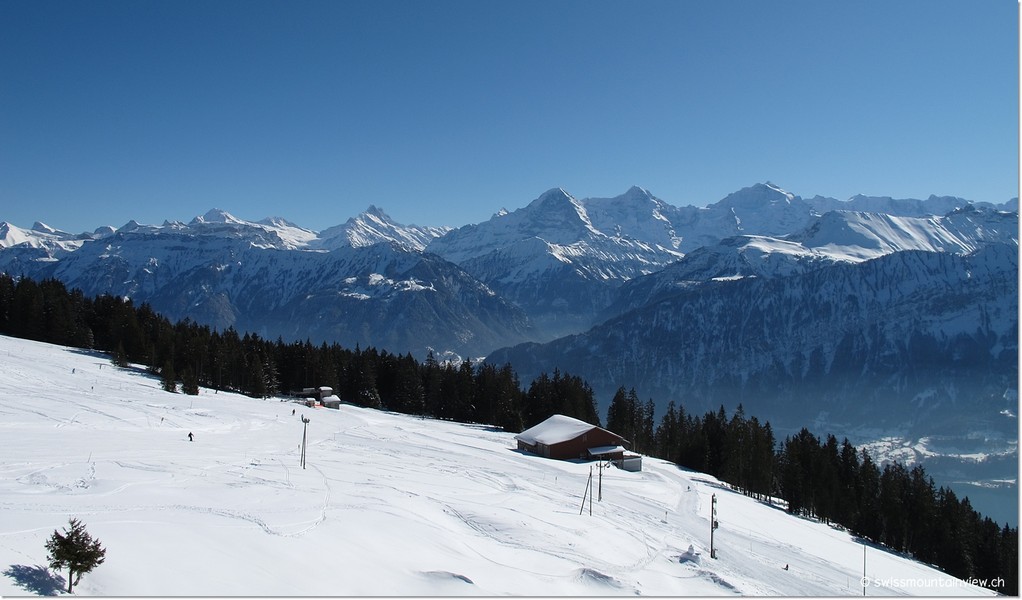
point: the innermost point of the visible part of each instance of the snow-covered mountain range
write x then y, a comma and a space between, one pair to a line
275, 279
389, 505
555, 267
871, 317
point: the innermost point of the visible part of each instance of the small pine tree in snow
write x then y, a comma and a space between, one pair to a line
74, 550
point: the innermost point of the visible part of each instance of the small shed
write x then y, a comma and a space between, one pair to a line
317, 392
567, 438
629, 462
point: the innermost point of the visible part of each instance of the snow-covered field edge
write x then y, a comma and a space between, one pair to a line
388, 504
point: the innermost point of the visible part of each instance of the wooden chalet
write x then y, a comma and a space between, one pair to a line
567, 438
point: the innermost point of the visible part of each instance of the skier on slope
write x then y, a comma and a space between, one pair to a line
190, 436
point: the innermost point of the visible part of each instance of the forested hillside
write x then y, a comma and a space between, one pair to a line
814, 477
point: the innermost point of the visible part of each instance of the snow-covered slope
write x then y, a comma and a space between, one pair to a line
912, 344
388, 505
855, 236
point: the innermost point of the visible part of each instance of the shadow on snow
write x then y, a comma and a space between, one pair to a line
36, 580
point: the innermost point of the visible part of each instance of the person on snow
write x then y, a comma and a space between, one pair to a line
189, 436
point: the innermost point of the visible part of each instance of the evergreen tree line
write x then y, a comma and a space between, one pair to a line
893, 506
897, 507
186, 355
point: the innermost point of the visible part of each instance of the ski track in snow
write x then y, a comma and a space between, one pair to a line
388, 504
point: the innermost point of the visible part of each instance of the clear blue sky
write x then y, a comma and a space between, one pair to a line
442, 112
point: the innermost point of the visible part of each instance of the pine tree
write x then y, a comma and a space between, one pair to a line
75, 551
168, 378
619, 416
120, 358
189, 382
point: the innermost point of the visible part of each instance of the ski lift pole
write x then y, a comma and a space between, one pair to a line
713, 523
305, 431
590, 493
585, 493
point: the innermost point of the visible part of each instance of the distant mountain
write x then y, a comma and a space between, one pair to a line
41, 237
835, 237
262, 277
910, 339
560, 258
374, 226
557, 266
899, 207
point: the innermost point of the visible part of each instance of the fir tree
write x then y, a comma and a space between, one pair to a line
189, 382
168, 378
120, 358
74, 550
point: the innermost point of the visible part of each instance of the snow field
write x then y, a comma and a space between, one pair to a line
388, 504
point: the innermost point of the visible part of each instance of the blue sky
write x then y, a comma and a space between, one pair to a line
443, 112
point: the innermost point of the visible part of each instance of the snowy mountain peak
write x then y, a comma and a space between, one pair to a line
216, 215
638, 192
554, 197
41, 237
377, 212
757, 196
276, 222
12, 235
374, 226
44, 228
559, 206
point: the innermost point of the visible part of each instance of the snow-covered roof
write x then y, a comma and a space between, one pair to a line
556, 429
606, 450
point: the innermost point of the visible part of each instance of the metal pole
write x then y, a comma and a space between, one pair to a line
713, 523
864, 580
590, 495
588, 481
305, 431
